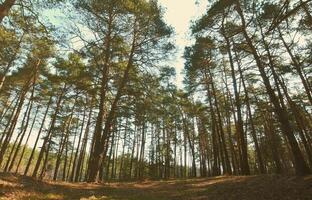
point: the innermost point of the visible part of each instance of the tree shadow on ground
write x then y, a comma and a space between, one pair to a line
223, 187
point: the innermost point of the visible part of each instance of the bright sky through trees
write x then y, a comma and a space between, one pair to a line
179, 14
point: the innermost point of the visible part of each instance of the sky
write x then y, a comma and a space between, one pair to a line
179, 14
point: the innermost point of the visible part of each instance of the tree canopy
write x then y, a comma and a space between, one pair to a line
94, 98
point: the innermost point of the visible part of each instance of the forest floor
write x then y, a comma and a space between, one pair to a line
263, 187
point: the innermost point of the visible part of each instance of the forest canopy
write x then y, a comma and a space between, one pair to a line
87, 94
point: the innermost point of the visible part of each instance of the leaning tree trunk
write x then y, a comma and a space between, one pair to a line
297, 66
13, 122
99, 145
46, 142
215, 150
27, 139
301, 166
83, 147
63, 140
251, 120
17, 137
38, 136
100, 117
71, 178
24, 129
239, 126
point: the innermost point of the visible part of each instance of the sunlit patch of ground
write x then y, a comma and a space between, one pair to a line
217, 188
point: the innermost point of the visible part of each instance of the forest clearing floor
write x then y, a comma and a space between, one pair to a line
262, 187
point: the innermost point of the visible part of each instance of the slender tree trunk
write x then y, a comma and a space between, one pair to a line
17, 137
94, 165
26, 125
301, 124
7, 108
72, 175
227, 168
269, 127
239, 126
115, 155
38, 136
215, 151
132, 152
47, 141
251, 120
14, 110
98, 149
142, 153
297, 66
83, 147
300, 164
123, 150
26, 142
65, 159
64, 139
72, 154
185, 154
13, 121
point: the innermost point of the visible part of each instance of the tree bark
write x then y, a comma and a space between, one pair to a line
47, 141
5, 8
300, 164
38, 136
98, 150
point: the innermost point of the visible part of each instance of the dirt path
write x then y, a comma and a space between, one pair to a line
217, 188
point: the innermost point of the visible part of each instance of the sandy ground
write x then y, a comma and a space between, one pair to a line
217, 188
